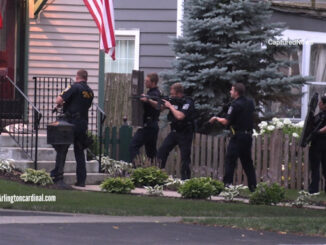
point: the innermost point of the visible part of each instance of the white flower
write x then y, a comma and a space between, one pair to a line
262, 125
300, 124
279, 125
295, 135
287, 121
270, 128
275, 120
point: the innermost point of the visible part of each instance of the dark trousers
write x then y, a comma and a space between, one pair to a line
79, 137
145, 136
240, 147
317, 155
184, 141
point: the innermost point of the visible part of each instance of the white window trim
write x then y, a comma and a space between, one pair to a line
132, 33
308, 38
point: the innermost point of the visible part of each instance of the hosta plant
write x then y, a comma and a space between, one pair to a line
39, 177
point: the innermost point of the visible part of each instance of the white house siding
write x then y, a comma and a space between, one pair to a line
63, 40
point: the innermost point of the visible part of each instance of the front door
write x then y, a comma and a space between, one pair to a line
12, 57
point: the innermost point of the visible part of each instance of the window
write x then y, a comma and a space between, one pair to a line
313, 63
318, 62
127, 53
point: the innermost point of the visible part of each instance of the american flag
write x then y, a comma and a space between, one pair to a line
2, 11
103, 15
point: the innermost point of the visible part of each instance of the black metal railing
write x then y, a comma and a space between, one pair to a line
19, 117
96, 122
46, 90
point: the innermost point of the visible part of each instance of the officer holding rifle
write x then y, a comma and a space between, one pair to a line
147, 135
181, 112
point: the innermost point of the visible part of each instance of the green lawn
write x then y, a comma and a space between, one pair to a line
291, 195
230, 214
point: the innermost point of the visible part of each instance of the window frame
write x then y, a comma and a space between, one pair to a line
135, 34
308, 38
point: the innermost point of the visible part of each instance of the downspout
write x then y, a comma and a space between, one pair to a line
26, 44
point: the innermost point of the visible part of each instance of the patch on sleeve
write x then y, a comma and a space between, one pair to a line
185, 107
67, 88
230, 110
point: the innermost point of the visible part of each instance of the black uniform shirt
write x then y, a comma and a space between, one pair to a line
78, 99
150, 113
320, 118
186, 106
240, 114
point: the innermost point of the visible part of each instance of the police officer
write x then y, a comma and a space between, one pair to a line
317, 150
76, 100
147, 135
240, 119
181, 110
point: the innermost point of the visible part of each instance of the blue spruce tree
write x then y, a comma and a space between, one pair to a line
227, 41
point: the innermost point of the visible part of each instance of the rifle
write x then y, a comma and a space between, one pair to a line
159, 99
308, 129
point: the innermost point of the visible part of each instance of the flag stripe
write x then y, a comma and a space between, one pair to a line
2, 11
103, 15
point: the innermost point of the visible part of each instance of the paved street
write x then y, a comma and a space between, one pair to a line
38, 228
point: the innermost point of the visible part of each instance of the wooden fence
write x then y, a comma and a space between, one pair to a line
117, 102
277, 158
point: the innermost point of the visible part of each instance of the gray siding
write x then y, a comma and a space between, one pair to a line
299, 22
157, 22
63, 40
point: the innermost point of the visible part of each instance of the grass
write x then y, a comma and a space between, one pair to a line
291, 195
229, 214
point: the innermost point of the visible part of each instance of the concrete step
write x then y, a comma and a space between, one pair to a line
70, 166
49, 154
7, 141
44, 154
92, 178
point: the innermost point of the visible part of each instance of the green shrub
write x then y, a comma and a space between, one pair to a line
218, 186
150, 176
39, 177
200, 188
117, 185
267, 194
7, 165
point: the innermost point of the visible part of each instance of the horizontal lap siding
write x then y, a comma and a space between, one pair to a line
156, 21
63, 40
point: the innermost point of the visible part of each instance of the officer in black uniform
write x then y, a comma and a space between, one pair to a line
240, 119
76, 100
148, 134
182, 129
317, 150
